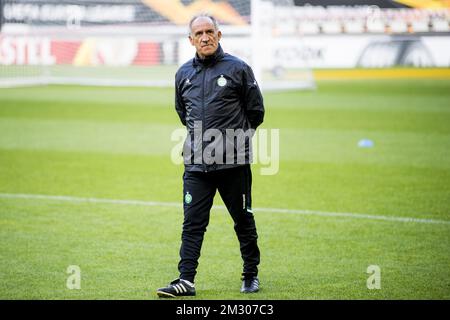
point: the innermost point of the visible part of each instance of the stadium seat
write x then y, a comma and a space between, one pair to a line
331, 27
439, 25
420, 26
376, 26
398, 26
309, 28
355, 26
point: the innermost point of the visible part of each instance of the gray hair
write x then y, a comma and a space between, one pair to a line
203, 15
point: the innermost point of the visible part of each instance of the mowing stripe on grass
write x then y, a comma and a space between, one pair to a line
178, 205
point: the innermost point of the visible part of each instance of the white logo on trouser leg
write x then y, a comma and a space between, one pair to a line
187, 198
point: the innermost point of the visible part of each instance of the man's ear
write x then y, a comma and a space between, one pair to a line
219, 35
191, 40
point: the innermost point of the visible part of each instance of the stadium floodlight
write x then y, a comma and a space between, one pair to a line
140, 43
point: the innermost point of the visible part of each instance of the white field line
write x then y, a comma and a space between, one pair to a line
178, 205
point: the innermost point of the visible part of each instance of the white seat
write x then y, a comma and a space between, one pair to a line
354, 27
309, 28
398, 26
331, 27
439, 25
420, 26
376, 26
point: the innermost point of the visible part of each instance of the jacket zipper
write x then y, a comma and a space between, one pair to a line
203, 115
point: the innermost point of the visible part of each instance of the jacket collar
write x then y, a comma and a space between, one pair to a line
209, 60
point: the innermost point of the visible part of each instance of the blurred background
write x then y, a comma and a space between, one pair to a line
141, 42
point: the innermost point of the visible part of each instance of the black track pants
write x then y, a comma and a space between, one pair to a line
199, 188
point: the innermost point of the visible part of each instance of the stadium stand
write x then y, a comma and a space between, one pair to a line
141, 42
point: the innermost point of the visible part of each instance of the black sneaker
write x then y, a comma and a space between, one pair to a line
250, 285
177, 288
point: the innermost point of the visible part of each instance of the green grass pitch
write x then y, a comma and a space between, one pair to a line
114, 143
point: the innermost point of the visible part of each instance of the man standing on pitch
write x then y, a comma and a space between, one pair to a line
216, 92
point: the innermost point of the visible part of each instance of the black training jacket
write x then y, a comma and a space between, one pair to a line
221, 93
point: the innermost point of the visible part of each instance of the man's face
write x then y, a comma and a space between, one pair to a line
204, 37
